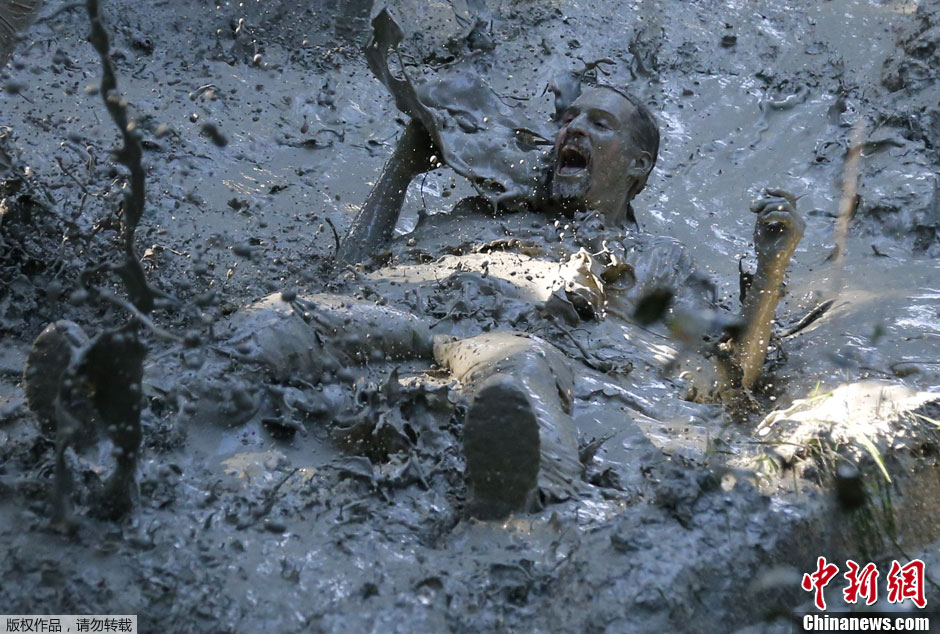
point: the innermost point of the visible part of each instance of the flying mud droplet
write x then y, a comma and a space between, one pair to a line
243, 250
850, 488
212, 132
652, 306
14, 87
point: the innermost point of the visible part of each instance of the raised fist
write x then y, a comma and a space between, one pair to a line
779, 226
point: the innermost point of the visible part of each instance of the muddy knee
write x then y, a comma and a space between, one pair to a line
518, 435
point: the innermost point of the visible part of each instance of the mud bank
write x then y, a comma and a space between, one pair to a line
275, 524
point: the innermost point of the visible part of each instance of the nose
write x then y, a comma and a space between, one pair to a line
578, 124
575, 127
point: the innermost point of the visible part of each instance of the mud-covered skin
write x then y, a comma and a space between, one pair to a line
603, 153
277, 343
602, 157
777, 232
598, 164
310, 341
374, 224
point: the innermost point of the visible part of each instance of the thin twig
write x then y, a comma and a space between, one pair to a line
808, 318
141, 317
69, 173
335, 233
588, 358
270, 497
131, 156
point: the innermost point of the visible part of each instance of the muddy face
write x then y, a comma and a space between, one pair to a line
595, 158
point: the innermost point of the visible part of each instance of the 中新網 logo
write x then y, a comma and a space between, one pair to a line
903, 582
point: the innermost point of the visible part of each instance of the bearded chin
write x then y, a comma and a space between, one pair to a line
570, 194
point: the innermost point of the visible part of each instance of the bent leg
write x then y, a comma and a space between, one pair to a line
519, 433
301, 342
298, 338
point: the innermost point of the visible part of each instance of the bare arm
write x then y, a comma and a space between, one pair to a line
375, 222
777, 232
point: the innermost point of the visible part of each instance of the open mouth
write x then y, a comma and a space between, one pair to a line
573, 157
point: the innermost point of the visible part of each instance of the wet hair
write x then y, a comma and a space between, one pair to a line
644, 130
644, 134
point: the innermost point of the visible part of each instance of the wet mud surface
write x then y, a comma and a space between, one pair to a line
339, 505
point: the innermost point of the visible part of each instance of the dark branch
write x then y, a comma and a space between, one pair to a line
131, 156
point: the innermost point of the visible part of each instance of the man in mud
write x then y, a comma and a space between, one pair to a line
518, 436
519, 439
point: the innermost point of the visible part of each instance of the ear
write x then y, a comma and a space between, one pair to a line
641, 166
637, 174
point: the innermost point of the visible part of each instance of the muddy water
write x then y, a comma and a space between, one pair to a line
349, 544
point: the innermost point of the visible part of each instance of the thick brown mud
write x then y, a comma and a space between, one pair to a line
339, 506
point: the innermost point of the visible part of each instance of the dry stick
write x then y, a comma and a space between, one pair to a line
841, 230
336, 239
846, 209
847, 202
121, 414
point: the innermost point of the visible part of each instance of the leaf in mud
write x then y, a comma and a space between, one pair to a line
314, 144
426, 412
558, 305
653, 306
282, 427
566, 86
528, 140
606, 479
15, 17
390, 436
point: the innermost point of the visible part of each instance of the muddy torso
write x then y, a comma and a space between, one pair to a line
470, 272
528, 249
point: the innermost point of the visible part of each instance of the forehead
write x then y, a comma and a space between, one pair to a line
605, 99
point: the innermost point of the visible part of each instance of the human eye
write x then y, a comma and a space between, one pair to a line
602, 122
